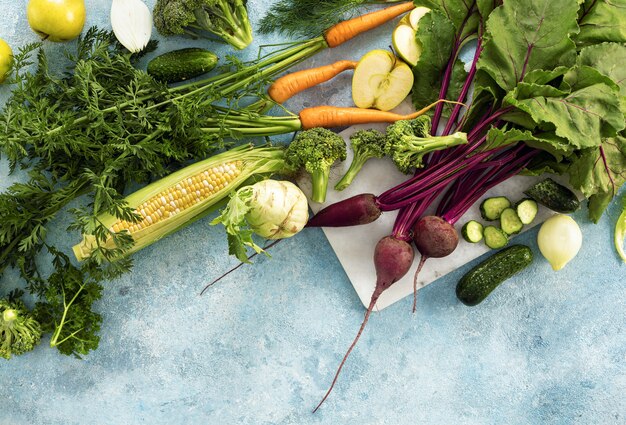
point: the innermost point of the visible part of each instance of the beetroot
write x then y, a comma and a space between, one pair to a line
359, 209
393, 259
434, 237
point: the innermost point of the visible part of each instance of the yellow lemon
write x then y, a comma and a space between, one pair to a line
6, 56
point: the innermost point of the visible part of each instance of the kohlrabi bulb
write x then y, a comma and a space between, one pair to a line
278, 209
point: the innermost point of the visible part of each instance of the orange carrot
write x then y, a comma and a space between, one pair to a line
333, 116
349, 29
291, 84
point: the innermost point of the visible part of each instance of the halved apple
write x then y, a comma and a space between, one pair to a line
403, 37
381, 81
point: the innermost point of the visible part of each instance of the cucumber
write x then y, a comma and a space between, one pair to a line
526, 210
554, 196
181, 65
472, 231
510, 223
491, 208
478, 283
495, 238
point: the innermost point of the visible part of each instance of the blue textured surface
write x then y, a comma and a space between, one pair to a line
261, 347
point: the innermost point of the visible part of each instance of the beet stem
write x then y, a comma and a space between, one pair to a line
375, 296
417, 272
265, 248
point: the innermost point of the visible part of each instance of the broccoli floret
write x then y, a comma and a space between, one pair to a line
227, 19
407, 142
19, 331
316, 150
366, 144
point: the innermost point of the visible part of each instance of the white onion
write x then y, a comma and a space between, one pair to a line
559, 240
132, 23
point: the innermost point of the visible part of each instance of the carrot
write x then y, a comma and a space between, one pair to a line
333, 116
349, 29
291, 84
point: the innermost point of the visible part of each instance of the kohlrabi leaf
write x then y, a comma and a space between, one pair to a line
233, 217
602, 20
599, 173
583, 117
523, 36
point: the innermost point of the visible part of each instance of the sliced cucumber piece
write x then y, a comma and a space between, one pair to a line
495, 238
526, 210
510, 223
491, 208
472, 231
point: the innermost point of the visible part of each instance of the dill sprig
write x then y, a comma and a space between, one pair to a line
309, 18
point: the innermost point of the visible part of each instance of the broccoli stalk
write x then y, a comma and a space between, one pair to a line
316, 150
407, 142
19, 331
366, 144
227, 19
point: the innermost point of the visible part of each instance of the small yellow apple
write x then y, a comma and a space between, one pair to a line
56, 20
403, 37
381, 81
6, 57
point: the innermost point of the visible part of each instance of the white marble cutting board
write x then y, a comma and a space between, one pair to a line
354, 246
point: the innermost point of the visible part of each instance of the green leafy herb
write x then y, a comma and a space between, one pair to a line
66, 311
309, 18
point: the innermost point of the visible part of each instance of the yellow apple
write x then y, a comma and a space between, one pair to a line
381, 81
403, 37
56, 20
6, 57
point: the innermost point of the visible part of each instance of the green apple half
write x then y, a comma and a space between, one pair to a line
381, 81
403, 37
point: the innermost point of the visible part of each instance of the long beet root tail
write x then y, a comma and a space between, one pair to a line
358, 335
417, 272
354, 211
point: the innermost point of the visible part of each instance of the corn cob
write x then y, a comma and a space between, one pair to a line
179, 199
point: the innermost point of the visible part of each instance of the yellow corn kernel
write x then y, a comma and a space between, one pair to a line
182, 195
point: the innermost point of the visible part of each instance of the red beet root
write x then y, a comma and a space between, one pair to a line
359, 209
434, 238
392, 259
